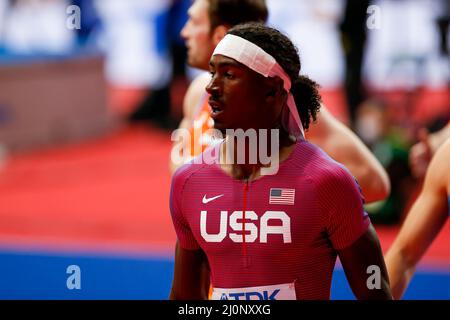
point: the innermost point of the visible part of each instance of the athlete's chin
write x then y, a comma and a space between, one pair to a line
224, 126
193, 62
220, 126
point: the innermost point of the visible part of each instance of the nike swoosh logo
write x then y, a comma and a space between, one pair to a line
207, 200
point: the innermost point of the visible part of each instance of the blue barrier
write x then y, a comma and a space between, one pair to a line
37, 275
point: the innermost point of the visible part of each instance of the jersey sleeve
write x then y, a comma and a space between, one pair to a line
186, 239
345, 218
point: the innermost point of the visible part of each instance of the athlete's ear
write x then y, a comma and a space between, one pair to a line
218, 34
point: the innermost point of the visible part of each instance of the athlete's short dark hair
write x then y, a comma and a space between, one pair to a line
233, 12
272, 41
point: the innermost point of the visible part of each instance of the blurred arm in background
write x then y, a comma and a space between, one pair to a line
423, 223
345, 147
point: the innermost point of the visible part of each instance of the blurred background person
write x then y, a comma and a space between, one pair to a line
313, 28
353, 28
135, 38
33, 27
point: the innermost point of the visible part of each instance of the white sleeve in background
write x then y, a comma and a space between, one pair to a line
3, 10
404, 52
31, 27
313, 28
129, 39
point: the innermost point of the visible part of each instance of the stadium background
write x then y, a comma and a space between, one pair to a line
85, 123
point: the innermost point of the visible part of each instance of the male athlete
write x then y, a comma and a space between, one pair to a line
423, 223
268, 236
208, 22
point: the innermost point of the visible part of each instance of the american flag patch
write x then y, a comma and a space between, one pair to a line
282, 196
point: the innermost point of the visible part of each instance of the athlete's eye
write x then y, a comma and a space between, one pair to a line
229, 75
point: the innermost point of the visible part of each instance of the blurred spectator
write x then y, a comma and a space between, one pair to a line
137, 37
4, 5
89, 22
35, 27
137, 54
158, 104
353, 37
404, 52
312, 26
443, 21
390, 144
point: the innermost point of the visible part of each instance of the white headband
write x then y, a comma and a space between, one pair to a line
255, 58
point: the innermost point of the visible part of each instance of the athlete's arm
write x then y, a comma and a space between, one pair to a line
191, 100
189, 275
345, 147
189, 257
365, 269
424, 221
351, 234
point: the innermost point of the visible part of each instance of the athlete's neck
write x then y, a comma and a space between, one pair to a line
247, 170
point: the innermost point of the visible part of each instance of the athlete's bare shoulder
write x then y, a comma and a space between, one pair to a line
443, 153
194, 94
439, 169
186, 171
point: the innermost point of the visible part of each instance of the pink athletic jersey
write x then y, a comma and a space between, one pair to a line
295, 221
